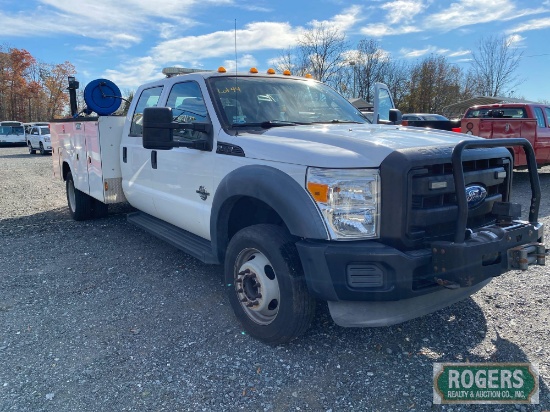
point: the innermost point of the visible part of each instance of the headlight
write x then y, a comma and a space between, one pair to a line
348, 200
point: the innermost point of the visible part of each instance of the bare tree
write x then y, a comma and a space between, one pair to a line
494, 66
321, 52
370, 66
288, 61
396, 75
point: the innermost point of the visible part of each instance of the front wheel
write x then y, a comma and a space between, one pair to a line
266, 285
80, 204
31, 149
42, 151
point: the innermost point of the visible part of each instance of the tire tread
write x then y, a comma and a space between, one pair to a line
83, 202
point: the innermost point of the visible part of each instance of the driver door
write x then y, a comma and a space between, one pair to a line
184, 180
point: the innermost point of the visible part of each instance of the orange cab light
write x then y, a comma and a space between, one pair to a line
253, 70
221, 69
270, 71
308, 76
318, 191
404, 123
286, 72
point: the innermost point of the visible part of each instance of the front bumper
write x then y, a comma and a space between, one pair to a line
372, 271
373, 314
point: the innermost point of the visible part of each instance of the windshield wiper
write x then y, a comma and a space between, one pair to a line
338, 121
269, 124
279, 123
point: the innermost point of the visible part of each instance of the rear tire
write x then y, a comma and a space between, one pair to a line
31, 150
266, 285
100, 209
80, 204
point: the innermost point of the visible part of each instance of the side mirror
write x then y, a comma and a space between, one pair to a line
396, 117
158, 131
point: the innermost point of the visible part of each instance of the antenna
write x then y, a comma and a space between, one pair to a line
236, 86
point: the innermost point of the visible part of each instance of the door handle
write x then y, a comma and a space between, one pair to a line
154, 159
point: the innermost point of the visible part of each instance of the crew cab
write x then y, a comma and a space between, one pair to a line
39, 138
289, 187
509, 120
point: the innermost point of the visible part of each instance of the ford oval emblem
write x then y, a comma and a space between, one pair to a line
475, 195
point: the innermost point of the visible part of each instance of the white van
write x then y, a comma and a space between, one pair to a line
12, 132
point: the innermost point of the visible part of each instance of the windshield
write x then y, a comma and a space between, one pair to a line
269, 102
7, 130
508, 112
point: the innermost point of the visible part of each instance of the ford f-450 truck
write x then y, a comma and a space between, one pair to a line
285, 183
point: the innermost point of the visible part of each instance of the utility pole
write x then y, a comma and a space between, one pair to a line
352, 64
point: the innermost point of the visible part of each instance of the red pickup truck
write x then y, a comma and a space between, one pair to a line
530, 121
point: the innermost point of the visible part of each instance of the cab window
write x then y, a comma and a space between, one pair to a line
188, 106
149, 98
540, 117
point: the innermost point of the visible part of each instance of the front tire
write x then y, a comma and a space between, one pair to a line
80, 204
266, 285
42, 151
31, 149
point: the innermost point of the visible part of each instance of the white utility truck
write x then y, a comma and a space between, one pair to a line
290, 187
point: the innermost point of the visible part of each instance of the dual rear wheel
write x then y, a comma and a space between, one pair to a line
81, 205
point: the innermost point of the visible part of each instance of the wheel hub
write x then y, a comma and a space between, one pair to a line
257, 288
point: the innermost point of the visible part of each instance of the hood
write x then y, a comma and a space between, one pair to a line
349, 145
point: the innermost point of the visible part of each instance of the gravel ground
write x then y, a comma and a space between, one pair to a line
101, 316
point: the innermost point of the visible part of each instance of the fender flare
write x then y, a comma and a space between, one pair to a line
276, 189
